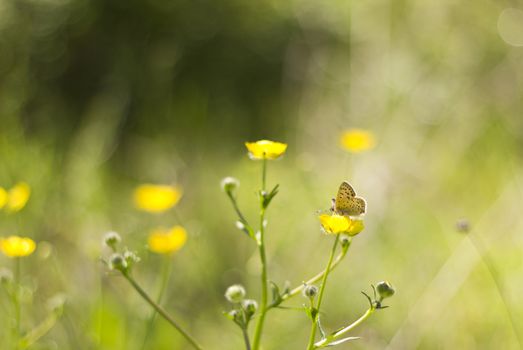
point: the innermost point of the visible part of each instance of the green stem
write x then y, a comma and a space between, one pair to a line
16, 300
237, 210
261, 247
246, 339
164, 282
318, 276
320, 296
344, 330
161, 311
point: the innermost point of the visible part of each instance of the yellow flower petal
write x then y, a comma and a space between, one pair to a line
355, 227
156, 198
3, 197
166, 241
14, 246
18, 196
357, 140
265, 149
334, 224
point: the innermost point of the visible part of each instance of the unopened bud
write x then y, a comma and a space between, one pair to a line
310, 291
229, 184
111, 239
6, 276
250, 306
118, 262
385, 289
235, 293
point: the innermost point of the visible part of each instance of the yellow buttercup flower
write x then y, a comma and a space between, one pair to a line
265, 149
156, 198
357, 140
336, 224
14, 246
18, 196
166, 241
3, 197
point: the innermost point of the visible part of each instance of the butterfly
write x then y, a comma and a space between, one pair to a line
347, 203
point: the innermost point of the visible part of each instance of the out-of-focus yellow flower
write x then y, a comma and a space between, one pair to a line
18, 196
335, 224
156, 198
166, 241
14, 246
357, 140
3, 197
265, 149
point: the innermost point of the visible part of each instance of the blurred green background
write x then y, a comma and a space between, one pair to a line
97, 97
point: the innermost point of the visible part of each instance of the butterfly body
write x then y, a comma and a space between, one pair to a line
347, 203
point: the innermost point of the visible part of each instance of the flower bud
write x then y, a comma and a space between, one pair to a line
6, 276
229, 184
118, 262
240, 225
131, 258
310, 291
463, 226
345, 241
250, 306
385, 289
235, 293
111, 239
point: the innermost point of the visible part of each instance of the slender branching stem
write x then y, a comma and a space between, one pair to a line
317, 277
161, 311
261, 247
16, 299
321, 293
166, 272
246, 339
333, 337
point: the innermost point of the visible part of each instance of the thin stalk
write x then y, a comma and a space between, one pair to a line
318, 276
344, 330
320, 295
166, 272
261, 247
16, 300
237, 209
246, 339
161, 311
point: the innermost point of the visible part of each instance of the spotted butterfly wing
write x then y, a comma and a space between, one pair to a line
347, 203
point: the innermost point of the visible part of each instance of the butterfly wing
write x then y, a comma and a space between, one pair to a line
347, 203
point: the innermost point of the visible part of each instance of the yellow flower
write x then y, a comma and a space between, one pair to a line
156, 198
14, 246
335, 224
3, 197
18, 196
357, 140
165, 241
265, 149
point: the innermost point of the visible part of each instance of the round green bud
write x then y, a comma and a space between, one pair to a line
385, 289
118, 262
250, 306
131, 257
6, 276
310, 291
235, 293
111, 239
229, 184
